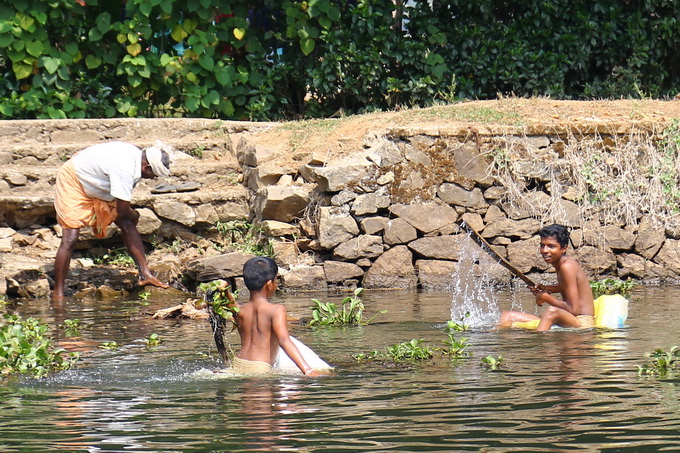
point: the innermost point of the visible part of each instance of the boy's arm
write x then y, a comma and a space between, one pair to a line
280, 328
568, 287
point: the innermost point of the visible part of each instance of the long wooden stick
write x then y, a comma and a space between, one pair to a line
488, 249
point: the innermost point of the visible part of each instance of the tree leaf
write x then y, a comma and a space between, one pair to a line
134, 49
239, 33
51, 64
206, 62
307, 45
21, 70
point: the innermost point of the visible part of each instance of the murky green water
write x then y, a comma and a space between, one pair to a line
559, 391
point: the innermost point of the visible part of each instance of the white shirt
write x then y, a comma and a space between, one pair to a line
109, 170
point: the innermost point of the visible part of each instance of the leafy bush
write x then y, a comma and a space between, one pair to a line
267, 60
25, 348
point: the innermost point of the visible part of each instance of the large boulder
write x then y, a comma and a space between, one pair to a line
364, 246
393, 269
339, 271
399, 231
435, 274
438, 247
334, 226
177, 211
283, 203
304, 278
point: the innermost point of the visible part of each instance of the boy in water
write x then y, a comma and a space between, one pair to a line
576, 307
261, 324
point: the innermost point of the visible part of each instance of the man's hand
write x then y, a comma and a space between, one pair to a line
539, 293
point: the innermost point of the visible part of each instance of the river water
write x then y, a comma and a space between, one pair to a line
557, 391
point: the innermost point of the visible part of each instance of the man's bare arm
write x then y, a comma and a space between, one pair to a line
280, 328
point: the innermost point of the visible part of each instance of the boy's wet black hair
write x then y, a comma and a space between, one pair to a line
258, 271
559, 232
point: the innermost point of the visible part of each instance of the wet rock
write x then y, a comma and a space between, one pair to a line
393, 269
335, 226
438, 247
364, 246
338, 271
221, 266
105, 292
425, 217
168, 269
38, 289
435, 274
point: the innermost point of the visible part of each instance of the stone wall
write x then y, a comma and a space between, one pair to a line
389, 216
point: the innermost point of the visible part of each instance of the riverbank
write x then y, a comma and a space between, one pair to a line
371, 200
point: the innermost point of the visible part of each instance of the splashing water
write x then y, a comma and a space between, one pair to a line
473, 290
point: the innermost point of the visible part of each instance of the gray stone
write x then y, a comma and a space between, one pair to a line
16, 179
399, 231
335, 226
206, 213
416, 156
5, 158
174, 210
283, 203
148, 222
414, 181
525, 256
305, 278
275, 228
474, 220
229, 211
631, 265
650, 238
6, 232
495, 193
263, 175
522, 229
669, 255
610, 236
384, 153
364, 246
369, 203
595, 261
343, 197
438, 247
221, 266
254, 155
455, 195
532, 204
422, 142
373, 225
341, 174
493, 214
393, 269
435, 274
425, 217
6, 244
471, 163
339, 271
286, 253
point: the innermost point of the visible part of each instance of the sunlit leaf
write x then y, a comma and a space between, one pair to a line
307, 45
239, 33
134, 49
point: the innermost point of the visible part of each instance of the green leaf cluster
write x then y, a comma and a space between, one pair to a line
611, 286
25, 348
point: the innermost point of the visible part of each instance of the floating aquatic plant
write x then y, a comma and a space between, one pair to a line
153, 340
611, 286
25, 348
662, 364
492, 363
350, 313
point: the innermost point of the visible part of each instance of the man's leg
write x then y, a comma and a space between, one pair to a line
508, 317
555, 315
69, 238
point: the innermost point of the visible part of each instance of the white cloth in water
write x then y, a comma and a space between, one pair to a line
284, 363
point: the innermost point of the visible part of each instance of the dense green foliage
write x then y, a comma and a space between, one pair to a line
25, 348
266, 59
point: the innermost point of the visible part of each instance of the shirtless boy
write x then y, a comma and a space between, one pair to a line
261, 324
576, 307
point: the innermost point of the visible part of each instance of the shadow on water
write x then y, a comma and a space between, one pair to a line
557, 391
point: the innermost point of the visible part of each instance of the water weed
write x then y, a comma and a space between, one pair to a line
492, 363
71, 327
612, 286
662, 364
350, 313
459, 326
25, 348
153, 340
456, 348
109, 345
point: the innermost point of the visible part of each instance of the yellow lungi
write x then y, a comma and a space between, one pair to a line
243, 366
75, 208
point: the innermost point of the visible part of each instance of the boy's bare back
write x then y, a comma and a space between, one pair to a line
258, 324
